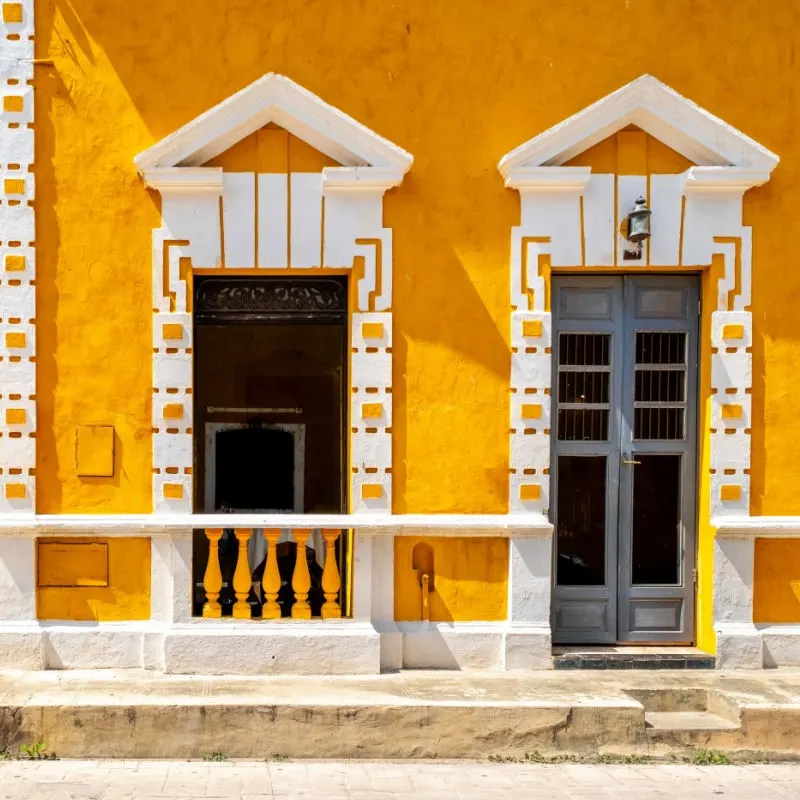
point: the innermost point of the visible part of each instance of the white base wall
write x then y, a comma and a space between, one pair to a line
203, 649
781, 644
474, 646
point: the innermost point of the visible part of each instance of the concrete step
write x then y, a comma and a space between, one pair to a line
687, 721
139, 714
622, 657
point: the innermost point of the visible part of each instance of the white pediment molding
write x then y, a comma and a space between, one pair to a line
657, 109
275, 98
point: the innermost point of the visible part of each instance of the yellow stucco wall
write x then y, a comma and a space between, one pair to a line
458, 86
469, 576
93, 579
776, 596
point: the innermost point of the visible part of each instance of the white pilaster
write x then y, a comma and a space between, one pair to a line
739, 642
527, 640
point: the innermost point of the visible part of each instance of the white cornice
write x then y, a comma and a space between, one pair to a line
274, 98
762, 527
548, 179
194, 180
656, 108
371, 524
723, 179
360, 179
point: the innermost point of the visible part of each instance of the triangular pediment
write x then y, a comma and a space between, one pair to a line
658, 110
277, 99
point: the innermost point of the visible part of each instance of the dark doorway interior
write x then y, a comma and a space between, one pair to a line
270, 416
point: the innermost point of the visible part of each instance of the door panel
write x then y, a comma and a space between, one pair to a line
625, 374
587, 353
657, 476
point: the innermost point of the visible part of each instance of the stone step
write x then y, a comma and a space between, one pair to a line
687, 721
640, 659
143, 715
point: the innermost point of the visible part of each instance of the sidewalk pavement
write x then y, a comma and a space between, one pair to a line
381, 780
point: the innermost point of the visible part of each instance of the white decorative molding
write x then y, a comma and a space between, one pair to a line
17, 262
275, 98
757, 527
657, 109
332, 218
192, 181
572, 217
372, 523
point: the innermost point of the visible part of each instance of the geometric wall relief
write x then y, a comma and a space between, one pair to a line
571, 218
253, 221
17, 262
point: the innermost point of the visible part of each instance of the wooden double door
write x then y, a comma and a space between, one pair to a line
624, 458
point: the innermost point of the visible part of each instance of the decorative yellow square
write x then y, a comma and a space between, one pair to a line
15, 340
733, 331
172, 330
15, 263
532, 328
173, 411
173, 491
371, 410
530, 491
12, 12
732, 411
13, 103
371, 491
372, 330
730, 492
16, 416
94, 451
16, 491
14, 186
531, 411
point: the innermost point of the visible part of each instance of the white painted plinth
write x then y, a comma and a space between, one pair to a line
286, 648
528, 648
739, 646
20, 647
452, 645
781, 645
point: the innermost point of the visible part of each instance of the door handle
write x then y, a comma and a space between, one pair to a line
626, 459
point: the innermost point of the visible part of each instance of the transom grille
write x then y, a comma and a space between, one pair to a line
584, 372
659, 408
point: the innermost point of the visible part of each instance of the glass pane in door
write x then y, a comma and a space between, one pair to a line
584, 374
660, 386
656, 523
581, 534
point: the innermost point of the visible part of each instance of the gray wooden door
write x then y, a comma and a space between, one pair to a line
624, 458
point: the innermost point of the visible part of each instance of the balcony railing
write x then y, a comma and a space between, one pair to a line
254, 573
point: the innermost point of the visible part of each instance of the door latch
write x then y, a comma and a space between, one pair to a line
626, 459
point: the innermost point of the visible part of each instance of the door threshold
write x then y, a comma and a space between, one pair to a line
631, 657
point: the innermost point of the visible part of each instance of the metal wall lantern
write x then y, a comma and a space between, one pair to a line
639, 222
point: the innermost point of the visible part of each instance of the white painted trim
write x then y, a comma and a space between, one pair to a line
724, 179
298, 432
18, 297
184, 179
548, 179
275, 98
656, 108
191, 228
364, 179
760, 527
376, 523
